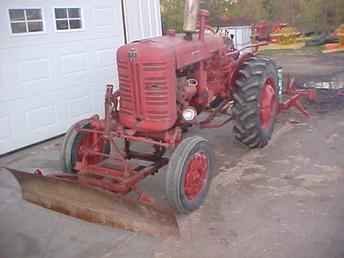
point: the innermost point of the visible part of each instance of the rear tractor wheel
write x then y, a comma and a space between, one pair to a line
255, 102
189, 174
75, 143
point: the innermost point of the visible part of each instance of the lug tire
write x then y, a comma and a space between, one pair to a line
69, 146
252, 76
177, 169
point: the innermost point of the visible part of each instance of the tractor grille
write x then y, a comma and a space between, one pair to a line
155, 91
125, 89
144, 90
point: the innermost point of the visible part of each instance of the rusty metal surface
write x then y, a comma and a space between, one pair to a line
95, 205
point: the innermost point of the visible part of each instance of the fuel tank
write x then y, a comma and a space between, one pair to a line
147, 78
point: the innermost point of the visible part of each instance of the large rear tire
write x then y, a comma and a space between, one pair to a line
189, 174
70, 152
255, 102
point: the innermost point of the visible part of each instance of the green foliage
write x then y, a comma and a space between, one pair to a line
217, 9
268, 7
307, 15
173, 13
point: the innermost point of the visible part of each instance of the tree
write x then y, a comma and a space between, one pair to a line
268, 7
306, 15
173, 14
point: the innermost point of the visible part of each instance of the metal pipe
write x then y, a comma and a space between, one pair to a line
190, 15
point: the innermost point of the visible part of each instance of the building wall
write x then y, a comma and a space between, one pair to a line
143, 19
51, 79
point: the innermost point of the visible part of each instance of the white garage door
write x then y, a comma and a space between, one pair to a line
56, 58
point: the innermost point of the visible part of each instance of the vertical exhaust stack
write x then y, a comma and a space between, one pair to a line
190, 17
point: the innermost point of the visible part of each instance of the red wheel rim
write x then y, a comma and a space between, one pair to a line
90, 142
267, 103
196, 175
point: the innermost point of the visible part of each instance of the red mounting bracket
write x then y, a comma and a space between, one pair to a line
294, 97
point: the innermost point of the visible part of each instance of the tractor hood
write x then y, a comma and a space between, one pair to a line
184, 52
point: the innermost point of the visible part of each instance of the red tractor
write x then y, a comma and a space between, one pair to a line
165, 83
167, 86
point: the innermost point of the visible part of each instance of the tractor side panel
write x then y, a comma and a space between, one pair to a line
147, 86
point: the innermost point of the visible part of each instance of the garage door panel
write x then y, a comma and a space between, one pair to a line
17, 119
28, 53
80, 107
107, 17
34, 102
105, 75
40, 117
34, 124
98, 101
10, 92
75, 80
105, 57
11, 71
41, 87
74, 47
5, 131
5, 144
4, 108
36, 69
76, 62
77, 92
109, 42
20, 72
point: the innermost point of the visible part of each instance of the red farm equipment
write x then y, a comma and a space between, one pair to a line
165, 83
262, 30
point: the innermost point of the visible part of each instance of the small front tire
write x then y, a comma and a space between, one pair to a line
189, 174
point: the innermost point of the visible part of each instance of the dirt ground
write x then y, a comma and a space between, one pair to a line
281, 201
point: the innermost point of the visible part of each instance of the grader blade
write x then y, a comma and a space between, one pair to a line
95, 205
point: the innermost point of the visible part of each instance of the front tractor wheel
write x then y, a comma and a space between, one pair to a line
255, 102
189, 174
76, 143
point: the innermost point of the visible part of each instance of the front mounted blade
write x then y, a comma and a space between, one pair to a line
95, 205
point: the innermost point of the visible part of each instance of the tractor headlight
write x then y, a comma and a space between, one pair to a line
189, 114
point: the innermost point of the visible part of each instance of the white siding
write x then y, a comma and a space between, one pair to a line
242, 35
51, 79
143, 19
